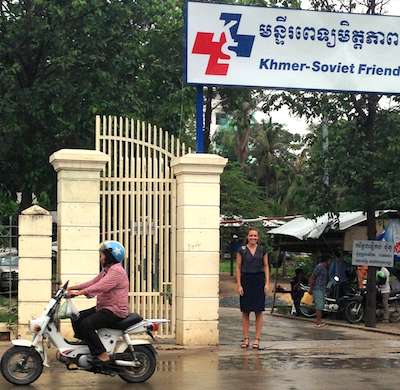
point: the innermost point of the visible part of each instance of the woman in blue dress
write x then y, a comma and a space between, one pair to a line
252, 278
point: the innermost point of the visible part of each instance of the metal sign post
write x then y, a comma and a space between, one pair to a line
199, 119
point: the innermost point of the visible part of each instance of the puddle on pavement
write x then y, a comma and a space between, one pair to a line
268, 362
254, 363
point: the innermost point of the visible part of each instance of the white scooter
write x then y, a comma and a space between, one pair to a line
133, 360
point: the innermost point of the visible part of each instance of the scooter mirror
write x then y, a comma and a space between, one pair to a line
65, 285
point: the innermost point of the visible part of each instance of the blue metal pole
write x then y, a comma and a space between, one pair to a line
199, 119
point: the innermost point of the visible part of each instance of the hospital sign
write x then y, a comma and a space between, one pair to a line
234, 45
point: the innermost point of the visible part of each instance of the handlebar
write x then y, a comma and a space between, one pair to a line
304, 287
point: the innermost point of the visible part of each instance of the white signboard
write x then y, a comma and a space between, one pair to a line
373, 253
237, 45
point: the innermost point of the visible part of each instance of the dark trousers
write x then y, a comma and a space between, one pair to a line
296, 300
89, 321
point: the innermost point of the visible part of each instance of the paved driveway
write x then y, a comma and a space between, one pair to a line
296, 356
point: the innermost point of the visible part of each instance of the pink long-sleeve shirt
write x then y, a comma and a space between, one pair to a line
111, 286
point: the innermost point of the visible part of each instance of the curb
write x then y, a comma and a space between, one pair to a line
340, 324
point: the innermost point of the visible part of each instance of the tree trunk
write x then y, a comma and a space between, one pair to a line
370, 314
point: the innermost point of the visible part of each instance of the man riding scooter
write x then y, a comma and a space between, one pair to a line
111, 286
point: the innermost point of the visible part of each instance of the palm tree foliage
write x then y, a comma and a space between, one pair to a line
267, 159
273, 150
347, 165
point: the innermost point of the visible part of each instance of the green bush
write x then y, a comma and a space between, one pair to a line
8, 313
283, 309
306, 263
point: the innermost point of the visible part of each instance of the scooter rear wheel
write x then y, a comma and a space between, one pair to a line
145, 368
354, 312
18, 369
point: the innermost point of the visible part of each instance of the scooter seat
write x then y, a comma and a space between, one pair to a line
393, 293
132, 319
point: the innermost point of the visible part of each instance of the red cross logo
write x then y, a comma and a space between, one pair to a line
204, 44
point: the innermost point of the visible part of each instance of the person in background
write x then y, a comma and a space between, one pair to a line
383, 285
338, 268
296, 292
111, 286
318, 281
362, 271
252, 279
349, 285
395, 286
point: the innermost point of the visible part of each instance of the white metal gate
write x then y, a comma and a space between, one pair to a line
138, 208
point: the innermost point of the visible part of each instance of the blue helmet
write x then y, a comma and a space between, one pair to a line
114, 248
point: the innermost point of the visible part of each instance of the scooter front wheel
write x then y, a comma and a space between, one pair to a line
146, 365
354, 312
20, 368
307, 310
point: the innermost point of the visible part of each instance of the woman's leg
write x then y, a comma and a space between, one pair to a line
100, 319
76, 325
246, 324
259, 325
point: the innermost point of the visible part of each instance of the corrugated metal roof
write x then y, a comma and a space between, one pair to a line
304, 228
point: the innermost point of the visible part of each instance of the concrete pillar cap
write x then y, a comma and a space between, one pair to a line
198, 164
78, 160
35, 210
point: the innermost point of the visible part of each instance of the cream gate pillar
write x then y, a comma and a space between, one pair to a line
78, 218
198, 211
34, 266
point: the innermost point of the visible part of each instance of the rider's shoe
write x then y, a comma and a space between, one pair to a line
97, 362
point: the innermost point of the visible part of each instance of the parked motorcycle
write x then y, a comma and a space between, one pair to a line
356, 310
133, 360
333, 304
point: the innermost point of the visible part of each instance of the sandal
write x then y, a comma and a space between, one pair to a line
256, 346
323, 325
245, 345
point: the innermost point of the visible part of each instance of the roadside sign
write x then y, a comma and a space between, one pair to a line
373, 253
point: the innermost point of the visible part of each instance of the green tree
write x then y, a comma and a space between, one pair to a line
240, 197
241, 104
361, 111
347, 165
62, 62
274, 152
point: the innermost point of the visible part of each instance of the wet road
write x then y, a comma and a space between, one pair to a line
296, 356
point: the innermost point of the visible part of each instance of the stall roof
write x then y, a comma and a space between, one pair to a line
304, 234
268, 222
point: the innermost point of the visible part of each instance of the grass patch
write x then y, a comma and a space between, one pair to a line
225, 266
